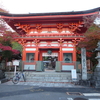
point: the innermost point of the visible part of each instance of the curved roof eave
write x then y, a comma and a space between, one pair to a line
52, 13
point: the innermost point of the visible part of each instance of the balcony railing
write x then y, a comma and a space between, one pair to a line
52, 35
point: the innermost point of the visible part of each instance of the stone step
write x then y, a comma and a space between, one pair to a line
44, 76
49, 77
3, 80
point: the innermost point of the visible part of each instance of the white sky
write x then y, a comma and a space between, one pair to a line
35, 6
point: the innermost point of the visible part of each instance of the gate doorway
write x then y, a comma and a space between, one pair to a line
49, 61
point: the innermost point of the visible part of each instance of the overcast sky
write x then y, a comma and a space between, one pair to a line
36, 6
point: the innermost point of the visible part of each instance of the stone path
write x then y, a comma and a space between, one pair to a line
43, 84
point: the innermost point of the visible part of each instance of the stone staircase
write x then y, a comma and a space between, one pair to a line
47, 76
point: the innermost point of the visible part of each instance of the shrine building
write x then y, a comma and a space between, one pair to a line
50, 39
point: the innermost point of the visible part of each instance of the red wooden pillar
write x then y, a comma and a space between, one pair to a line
60, 42
23, 54
40, 55
36, 54
74, 54
60, 54
37, 49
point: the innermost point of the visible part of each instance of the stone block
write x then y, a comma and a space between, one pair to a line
2, 74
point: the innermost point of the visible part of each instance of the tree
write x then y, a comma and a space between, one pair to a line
6, 47
17, 46
6, 40
92, 36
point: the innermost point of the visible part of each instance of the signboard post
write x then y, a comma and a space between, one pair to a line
15, 63
74, 75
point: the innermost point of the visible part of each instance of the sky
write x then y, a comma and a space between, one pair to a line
41, 6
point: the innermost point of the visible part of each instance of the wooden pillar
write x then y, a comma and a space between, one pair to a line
40, 56
60, 42
23, 54
37, 53
37, 49
60, 54
74, 54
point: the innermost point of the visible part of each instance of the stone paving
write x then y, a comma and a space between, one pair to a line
43, 84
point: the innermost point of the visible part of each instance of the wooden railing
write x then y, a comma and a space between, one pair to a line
53, 35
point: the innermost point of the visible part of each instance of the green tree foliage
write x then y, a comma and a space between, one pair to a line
17, 46
92, 36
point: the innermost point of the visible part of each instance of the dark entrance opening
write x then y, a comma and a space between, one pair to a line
50, 62
49, 56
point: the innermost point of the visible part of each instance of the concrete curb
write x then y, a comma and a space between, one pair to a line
3, 80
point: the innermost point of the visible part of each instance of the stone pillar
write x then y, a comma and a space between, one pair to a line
96, 76
84, 65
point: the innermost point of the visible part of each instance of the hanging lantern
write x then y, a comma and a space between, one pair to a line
49, 52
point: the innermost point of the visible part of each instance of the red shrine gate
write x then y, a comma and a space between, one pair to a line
50, 37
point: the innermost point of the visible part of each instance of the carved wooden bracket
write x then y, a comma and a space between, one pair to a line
75, 41
38, 27
21, 41
36, 41
70, 26
60, 41
59, 27
24, 27
75, 26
